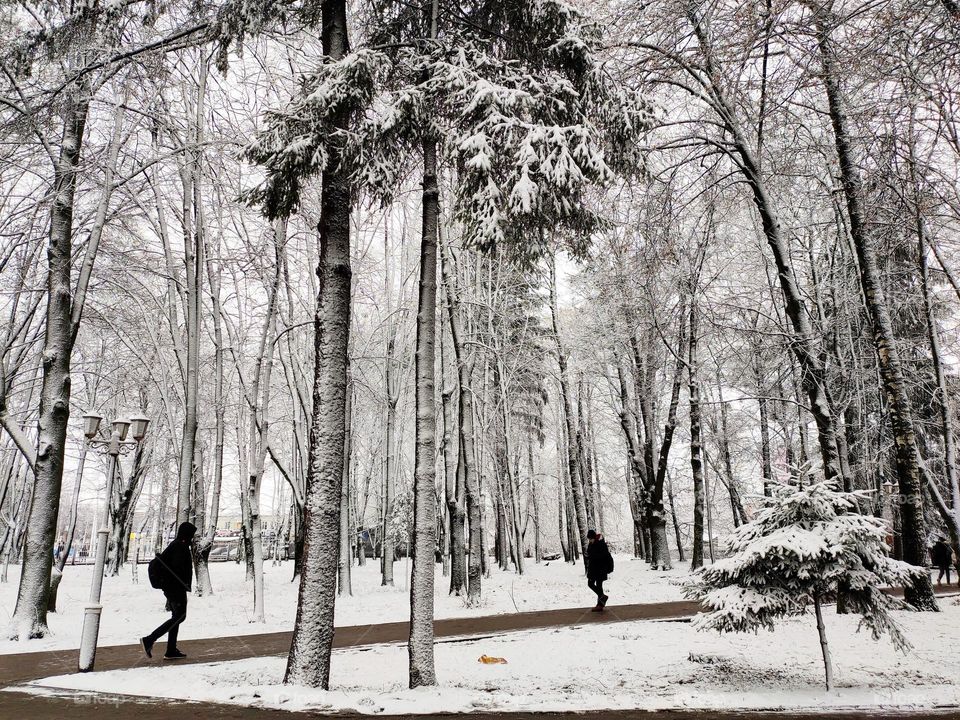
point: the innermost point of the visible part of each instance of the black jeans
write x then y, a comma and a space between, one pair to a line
596, 586
178, 613
944, 570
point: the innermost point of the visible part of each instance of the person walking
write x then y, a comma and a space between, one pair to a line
172, 572
942, 556
599, 566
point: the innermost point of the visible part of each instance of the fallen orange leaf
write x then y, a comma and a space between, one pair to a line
487, 660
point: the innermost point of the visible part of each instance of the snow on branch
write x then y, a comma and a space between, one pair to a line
297, 143
528, 122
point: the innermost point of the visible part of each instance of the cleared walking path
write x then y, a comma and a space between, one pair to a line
30, 666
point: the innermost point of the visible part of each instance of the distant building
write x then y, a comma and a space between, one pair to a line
228, 523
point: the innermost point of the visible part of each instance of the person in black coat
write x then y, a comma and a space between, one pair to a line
942, 556
598, 566
177, 563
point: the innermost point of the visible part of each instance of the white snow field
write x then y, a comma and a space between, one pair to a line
131, 610
636, 665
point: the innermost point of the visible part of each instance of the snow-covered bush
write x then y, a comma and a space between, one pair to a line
803, 546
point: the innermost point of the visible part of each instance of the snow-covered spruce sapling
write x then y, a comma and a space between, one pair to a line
800, 548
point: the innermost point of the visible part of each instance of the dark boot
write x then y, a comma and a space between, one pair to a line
603, 601
147, 644
173, 655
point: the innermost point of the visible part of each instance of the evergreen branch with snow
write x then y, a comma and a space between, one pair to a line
527, 119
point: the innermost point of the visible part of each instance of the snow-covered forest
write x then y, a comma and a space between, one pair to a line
413, 295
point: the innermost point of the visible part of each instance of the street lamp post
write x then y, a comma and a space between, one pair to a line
114, 447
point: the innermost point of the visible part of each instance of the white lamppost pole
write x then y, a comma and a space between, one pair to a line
114, 447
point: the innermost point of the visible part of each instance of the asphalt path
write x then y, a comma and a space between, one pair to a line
21, 667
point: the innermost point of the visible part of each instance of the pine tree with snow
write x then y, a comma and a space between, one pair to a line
800, 548
513, 101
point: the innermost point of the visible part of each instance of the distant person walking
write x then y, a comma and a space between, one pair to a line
599, 566
942, 556
172, 572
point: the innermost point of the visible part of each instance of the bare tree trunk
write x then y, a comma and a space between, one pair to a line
508, 547
387, 551
72, 520
30, 614
309, 660
633, 502
205, 546
736, 505
708, 503
481, 458
471, 476
570, 515
676, 520
573, 462
443, 536
458, 531
359, 518
824, 647
635, 466
449, 458
422, 671
766, 462
245, 551
344, 584
465, 572
509, 473
644, 372
656, 516
586, 471
535, 501
561, 523
258, 401
920, 592
122, 508
193, 260
696, 441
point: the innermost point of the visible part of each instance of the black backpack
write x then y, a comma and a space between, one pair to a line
609, 562
157, 572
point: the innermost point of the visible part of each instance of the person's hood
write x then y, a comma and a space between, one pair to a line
186, 531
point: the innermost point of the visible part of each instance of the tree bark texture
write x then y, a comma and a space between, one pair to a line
422, 671
344, 584
309, 660
696, 439
30, 614
387, 551
466, 571
656, 515
205, 545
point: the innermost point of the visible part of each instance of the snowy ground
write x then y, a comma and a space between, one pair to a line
133, 610
637, 665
